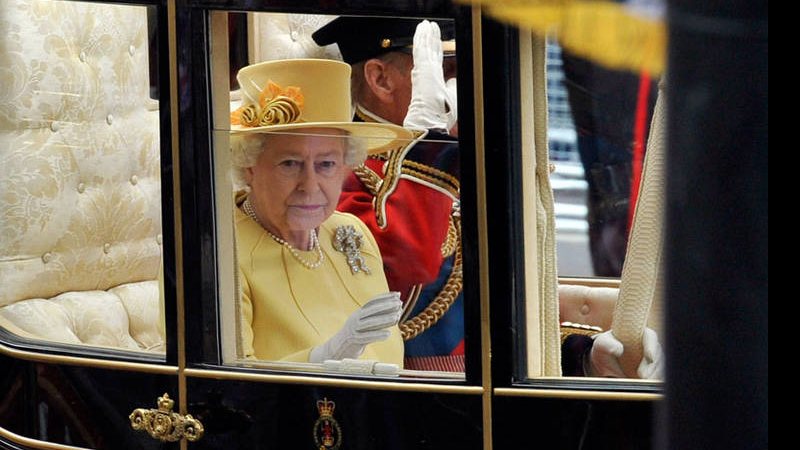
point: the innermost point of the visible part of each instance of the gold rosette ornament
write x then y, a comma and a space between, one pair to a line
276, 106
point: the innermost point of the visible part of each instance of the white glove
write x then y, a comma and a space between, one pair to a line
431, 106
606, 351
652, 365
368, 324
452, 102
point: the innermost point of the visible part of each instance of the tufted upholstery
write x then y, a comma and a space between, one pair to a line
80, 202
288, 36
587, 305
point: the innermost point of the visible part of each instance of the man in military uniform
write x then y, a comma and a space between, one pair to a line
409, 196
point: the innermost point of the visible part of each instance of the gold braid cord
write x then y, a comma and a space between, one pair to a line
372, 181
391, 176
432, 175
368, 178
452, 241
382, 188
413, 327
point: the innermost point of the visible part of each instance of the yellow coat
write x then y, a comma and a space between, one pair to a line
287, 309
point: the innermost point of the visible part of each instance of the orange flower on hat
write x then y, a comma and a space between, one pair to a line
276, 106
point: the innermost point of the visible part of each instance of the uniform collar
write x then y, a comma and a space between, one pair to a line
365, 115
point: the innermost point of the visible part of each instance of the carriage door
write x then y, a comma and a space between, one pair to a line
88, 338
248, 395
565, 142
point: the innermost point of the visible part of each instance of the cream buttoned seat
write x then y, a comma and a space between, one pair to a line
288, 36
80, 192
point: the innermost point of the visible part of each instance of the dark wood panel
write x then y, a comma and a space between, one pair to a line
571, 424
78, 406
258, 415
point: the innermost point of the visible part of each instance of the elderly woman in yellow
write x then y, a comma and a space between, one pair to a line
312, 281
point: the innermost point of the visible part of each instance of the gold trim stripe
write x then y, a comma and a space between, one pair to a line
591, 282
87, 362
453, 190
434, 172
34, 443
172, 57
333, 382
570, 394
483, 238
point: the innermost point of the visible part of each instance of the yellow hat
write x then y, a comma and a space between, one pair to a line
293, 94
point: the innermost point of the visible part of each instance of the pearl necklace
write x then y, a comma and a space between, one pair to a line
247, 208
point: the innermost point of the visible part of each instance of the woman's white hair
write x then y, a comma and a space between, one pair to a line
245, 150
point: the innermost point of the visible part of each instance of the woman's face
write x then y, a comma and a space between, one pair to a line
297, 179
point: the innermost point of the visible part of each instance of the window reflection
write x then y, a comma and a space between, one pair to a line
399, 209
598, 124
80, 197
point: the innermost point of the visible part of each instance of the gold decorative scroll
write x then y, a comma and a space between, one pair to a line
164, 424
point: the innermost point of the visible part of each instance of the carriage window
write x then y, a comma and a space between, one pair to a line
598, 124
599, 120
344, 224
80, 192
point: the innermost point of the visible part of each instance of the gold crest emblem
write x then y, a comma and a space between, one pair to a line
327, 433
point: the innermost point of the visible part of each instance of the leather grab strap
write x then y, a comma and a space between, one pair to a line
642, 273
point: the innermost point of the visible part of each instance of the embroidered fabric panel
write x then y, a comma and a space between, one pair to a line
80, 188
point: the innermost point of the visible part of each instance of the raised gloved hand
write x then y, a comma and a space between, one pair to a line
431, 104
606, 351
368, 324
452, 102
